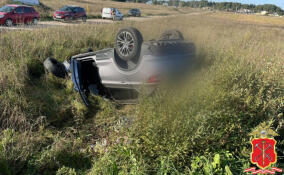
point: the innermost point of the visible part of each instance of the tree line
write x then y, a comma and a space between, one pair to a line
227, 6
233, 6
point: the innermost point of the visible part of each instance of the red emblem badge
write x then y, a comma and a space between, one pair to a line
263, 152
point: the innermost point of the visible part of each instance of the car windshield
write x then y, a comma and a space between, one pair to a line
7, 9
65, 9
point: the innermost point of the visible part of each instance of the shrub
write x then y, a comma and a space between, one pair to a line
66, 171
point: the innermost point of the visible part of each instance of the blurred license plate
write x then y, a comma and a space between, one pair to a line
57, 16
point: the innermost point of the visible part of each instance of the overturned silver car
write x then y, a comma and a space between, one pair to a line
119, 73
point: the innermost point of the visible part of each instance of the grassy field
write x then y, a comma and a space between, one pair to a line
201, 127
252, 19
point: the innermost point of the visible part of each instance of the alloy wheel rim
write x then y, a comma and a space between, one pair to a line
125, 42
9, 23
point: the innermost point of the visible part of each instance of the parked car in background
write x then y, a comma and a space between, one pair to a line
67, 13
18, 14
134, 12
112, 13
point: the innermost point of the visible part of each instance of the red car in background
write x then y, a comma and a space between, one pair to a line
67, 13
18, 14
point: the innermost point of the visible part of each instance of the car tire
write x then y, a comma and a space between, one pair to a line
9, 22
128, 43
84, 18
172, 35
35, 21
55, 67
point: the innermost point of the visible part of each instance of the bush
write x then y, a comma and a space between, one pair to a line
66, 171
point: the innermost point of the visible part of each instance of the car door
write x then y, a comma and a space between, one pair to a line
18, 15
81, 12
75, 13
76, 67
27, 15
118, 15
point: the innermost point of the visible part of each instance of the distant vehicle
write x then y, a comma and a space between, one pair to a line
119, 73
149, 2
18, 14
112, 13
134, 12
67, 13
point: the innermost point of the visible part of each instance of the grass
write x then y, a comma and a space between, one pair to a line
252, 19
201, 127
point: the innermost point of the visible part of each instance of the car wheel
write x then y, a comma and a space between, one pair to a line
55, 67
8, 22
172, 35
128, 43
35, 21
84, 18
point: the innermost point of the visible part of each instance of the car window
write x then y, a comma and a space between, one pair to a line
75, 10
27, 10
19, 10
108, 10
32, 9
82, 10
7, 9
65, 9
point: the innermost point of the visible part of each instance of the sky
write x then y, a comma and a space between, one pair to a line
279, 3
